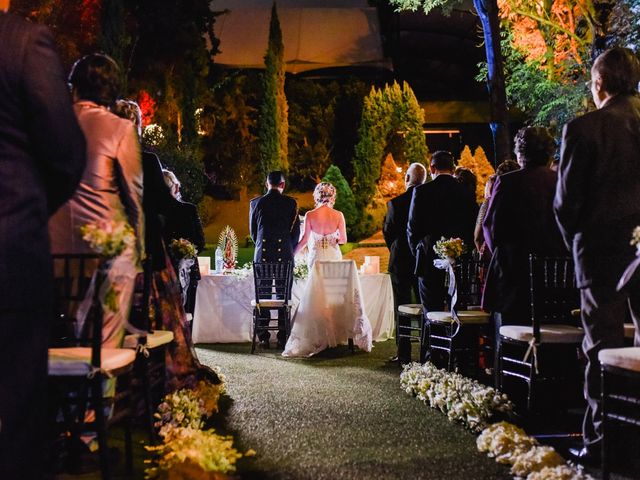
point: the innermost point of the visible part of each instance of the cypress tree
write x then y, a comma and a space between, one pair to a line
274, 125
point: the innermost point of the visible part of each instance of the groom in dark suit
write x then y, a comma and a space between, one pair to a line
275, 231
440, 208
597, 205
42, 156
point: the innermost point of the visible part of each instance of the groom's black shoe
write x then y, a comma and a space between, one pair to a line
589, 456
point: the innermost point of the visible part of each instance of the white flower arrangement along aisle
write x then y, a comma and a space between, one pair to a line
476, 406
188, 450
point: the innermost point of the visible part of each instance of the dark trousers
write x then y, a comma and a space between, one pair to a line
405, 290
433, 293
263, 321
23, 392
604, 310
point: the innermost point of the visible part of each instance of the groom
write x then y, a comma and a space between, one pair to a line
275, 231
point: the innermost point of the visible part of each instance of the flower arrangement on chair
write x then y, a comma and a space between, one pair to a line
109, 239
182, 248
228, 244
449, 248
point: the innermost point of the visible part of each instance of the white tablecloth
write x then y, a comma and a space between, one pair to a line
223, 311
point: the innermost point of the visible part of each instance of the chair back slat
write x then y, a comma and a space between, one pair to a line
553, 291
468, 282
72, 275
272, 281
336, 279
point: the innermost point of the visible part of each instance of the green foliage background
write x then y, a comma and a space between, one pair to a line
345, 202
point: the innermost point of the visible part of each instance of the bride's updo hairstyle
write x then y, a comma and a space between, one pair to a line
324, 194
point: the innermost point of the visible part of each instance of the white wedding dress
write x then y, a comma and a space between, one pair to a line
331, 309
323, 248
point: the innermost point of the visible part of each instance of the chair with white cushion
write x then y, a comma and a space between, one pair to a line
455, 335
272, 282
620, 394
545, 352
77, 372
411, 326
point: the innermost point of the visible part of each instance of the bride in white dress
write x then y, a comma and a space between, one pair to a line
314, 329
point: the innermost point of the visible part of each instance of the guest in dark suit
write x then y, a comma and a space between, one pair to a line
520, 221
42, 156
401, 260
440, 208
274, 229
183, 221
597, 205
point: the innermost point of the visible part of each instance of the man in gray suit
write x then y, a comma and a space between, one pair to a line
597, 205
42, 156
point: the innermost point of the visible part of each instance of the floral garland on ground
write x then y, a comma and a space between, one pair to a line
463, 400
474, 405
510, 445
187, 449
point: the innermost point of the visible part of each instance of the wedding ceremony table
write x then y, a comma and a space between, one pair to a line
223, 310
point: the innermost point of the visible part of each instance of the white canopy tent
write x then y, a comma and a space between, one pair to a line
316, 34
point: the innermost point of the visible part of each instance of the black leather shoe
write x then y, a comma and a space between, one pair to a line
585, 456
393, 359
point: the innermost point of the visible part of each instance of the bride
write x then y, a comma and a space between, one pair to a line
320, 322
324, 227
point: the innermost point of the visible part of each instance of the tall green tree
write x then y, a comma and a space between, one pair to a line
273, 129
386, 111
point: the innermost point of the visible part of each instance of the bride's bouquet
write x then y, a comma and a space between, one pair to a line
301, 270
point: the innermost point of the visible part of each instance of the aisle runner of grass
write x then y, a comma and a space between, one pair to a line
339, 415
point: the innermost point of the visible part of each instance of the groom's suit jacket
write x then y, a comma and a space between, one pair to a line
439, 208
274, 227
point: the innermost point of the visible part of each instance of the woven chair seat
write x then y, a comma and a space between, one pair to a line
76, 361
548, 333
410, 309
629, 330
627, 358
467, 317
271, 303
155, 339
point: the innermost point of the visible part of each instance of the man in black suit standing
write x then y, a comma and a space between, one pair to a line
42, 156
275, 231
401, 261
440, 208
597, 205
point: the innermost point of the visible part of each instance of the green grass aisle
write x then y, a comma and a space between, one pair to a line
338, 415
